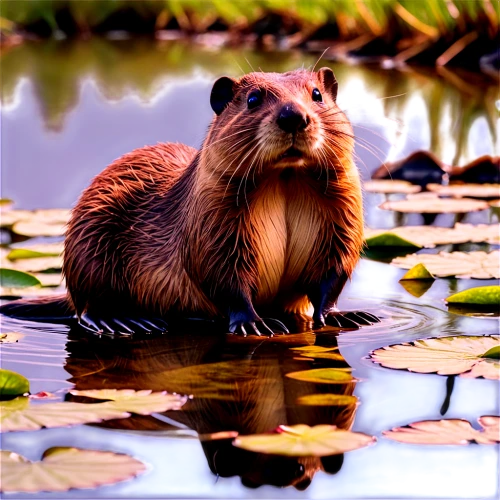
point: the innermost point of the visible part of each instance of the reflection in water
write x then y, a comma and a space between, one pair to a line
237, 385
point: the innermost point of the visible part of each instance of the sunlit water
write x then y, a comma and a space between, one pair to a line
68, 110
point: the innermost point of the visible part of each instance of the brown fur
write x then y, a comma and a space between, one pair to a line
168, 229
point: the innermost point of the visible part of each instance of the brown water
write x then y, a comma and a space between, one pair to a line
71, 108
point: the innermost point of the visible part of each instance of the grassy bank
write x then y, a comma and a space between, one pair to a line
459, 32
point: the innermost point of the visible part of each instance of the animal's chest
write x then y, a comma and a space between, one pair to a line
286, 225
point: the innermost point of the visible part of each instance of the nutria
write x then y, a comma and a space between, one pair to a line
266, 216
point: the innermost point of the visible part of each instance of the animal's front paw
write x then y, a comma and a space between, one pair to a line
350, 319
122, 325
266, 326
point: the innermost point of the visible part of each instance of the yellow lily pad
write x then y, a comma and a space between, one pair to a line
12, 384
327, 400
323, 376
418, 272
481, 295
334, 356
464, 355
62, 469
314, 348
304, 441
448, 431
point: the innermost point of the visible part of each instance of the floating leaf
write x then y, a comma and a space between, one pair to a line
493, 353
62, 469
463, 355
324, 355
314, 348
35, 250
478, 265
49, 279
430, 236
304, 441
10, 217
50, 222
451, 431
387, 239
418, 272
12, 384
4, 202
494, 203
481, 295
434, 205
323, 376
462, 190
10, 337
34, 265
327, 400
28, 292
20, 415
10, 278
416, 287
139, 402
390, 186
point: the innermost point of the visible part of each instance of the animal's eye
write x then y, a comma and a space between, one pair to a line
316, 95
254, 99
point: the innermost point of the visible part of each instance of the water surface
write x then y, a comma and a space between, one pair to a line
70, 108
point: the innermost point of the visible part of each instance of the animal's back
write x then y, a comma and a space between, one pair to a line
109, 222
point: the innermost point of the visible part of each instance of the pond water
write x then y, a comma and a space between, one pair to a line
70, 108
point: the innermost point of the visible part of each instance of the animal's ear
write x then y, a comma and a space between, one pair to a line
222, 94
327, 78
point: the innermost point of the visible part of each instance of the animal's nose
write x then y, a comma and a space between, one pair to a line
291, 120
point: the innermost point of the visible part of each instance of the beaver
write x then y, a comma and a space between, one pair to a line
265, 218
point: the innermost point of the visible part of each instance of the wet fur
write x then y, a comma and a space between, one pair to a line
168, 229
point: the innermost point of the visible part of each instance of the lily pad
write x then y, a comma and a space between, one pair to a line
335, 356
62, 469
10, 217
10, 278
494, 203
464, 355
450, 431
314, 348
385, 238
463, 190
478, 265
36, 251
12, 384
140, 402
416, 287
10, 337
50, 222
434, 205
323, 376
34, 291
21, 415
34, 265
304, 441
418, 272
481, 295
327, 400
430, 236
389, 186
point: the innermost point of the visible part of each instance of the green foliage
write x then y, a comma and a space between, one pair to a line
12, 384
10, 278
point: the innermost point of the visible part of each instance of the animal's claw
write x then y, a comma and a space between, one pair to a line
261, 327
350, 319
122, 325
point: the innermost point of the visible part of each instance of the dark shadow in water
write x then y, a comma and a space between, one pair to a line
238, 384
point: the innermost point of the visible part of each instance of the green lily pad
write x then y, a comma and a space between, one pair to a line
304, 441
62, 469
327, 400
416, 287
12, 384
493, 353
10, 278
481, 295
389, 239
417, 272
323, 376
26, 253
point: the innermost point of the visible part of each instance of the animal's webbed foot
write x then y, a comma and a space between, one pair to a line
123, 325
267, 327
346, 319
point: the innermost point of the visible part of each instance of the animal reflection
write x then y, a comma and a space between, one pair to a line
238, 384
